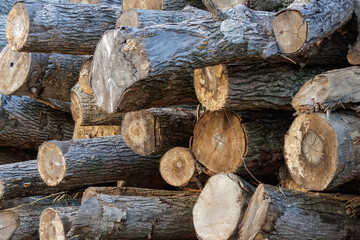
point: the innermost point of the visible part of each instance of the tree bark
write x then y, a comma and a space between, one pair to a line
39, 75
156, 130
353, 55
329, 90
26, 123
61, 28
168, 5
221, 206
12, 155
156, 216
7, 4
321, 152
3, 20
96, 131
279, 213
83, 162
85, 112
245, 87
84, 79
112, 2
243, 143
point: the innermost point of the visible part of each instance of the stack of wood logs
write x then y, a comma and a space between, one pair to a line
188, 107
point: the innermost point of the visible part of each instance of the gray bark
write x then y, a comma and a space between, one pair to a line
111, 2
168, 5
6, 5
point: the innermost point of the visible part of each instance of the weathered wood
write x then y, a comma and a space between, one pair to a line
221, 206
84, 79
3, 20
321, 152
158, 215
96, 131
275, 213
156, 130
83, 162
7, 4
114, 2
61, 28
242, 142
286, 181
168, 5
12, 155
39, 75
14, 202
328, 91
26, 123
85, 112
55, 223
255, 86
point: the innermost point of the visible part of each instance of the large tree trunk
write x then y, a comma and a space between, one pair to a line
158, 215
96, 131
168, 5
275, 213
83, 162
244, 86
156, 130
221, 206
61, 28
321, 152
84, 79
26, 123
243, 142
39, 75
12, 155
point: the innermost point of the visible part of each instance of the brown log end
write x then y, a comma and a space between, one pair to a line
212, 86
75, 107
220, 207
9, 223
51, 163
177, 166
51, 226
84, 79
220, 136
17, 26
310, 151
128, 18
143, 4
138, 129
353, 55
290, 31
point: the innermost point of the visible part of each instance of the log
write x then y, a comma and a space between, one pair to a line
84, 79
328, 91
7, 4
321, 151
221, 206
55, 223
286, 181
168, 5
85, 112
26, 123
156, 216
96, 131
112, 2
84, 162
37, 27
250, 87
3, 20
243, 143
39, 75
12, 155
353, 55
279, 213
156, 130
12, 203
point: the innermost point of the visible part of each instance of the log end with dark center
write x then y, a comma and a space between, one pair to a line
84, 79
51, 226
128, 18
143, 4
17, 26
51, 163
9, 223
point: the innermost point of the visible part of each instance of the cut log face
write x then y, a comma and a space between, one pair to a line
161, 4
221, 206
11, 221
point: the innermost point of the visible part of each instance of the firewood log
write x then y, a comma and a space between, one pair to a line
115, 2
84, 79
156, 130
12, 155
96, 131
279, 213
158, 215
221, 206
61, 28
7, 4
168, 5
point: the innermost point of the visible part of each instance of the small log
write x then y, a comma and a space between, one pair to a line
243, 143
26, 123
55, 223
61, 28
279, 213
221, 206
168, 5
84, 162
156, 130
85, 112
39, 75
244, 87
157, 215
84, 79
96, 131
12, 155
321, 151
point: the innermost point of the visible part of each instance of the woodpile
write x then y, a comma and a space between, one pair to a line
179, 119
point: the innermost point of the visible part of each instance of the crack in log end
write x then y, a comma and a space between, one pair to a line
9, 223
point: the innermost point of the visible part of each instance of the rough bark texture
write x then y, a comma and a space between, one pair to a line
96, 131
61, 28
3, 20
40, 75
330, 90
84, 162
112, 2
7, 4
243, 86
84, 79
85, 111
22, 223
353, 55
26, 123
156, 130
168, 5
220, 207
154, 216
322, 152
275, 213
12, 155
